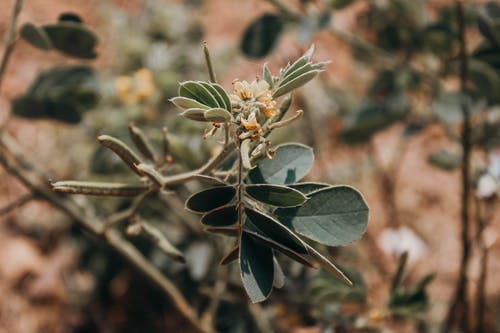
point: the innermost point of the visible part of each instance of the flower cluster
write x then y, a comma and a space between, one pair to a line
254, 102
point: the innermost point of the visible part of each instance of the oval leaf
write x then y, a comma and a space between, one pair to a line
256, 268
290, 164
36, 36
207, 200
195, 114
261, 36
296, 82
72, 39
195, 90
333, 216
275, 230
187, 103
223, 94
253, 231
276, 195
220, 217
217, 115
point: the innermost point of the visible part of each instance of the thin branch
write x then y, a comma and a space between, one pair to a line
459, 308
113, 239
10, 39
17, 203
208, 60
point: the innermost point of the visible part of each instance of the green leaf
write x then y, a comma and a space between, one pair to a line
120, 148
207, 200
197, 91
70, 17
218, 115
338, 4
215, 93
188, 103
266, 74
276, 195
226, 231
276, 231
62, 94
328, 266
485, 80
256, 268
36, 36
220, 217
488, 54
290, 164
260, 37
72, 39
195, 114
223, 94
332, 216
296, 83
489, 27
444, 160
308, 187
303, 60
253, 231
373, 117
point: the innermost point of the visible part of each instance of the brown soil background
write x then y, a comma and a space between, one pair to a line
31, 280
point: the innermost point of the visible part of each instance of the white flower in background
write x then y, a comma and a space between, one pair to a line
403, 239
488, 184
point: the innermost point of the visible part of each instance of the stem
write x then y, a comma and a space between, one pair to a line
10, 39
482, 221
240, 187
211, 72
459, 308
17, 203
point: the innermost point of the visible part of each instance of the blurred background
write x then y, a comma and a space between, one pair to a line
386, 117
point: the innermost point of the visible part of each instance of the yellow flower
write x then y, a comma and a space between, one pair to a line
244, 91
136, 89
251, 123
144, 84
269, 104
123, 89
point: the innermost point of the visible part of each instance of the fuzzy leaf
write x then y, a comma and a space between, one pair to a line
207, 200
295, 83
188, 103
290, 164
218, 115
332, 216
197, 91
276, 195
256, 268
195, 114
121, 149
223, 94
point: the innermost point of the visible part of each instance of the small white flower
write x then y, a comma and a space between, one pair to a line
396, 241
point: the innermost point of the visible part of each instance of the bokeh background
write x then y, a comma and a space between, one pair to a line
382, 117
